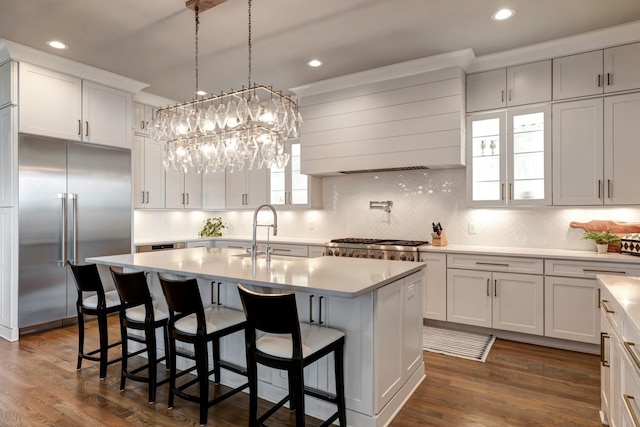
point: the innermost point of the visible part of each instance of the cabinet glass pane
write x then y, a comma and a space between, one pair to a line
277, 185
485, 153
528, 156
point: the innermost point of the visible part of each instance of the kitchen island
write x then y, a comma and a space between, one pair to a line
378, 304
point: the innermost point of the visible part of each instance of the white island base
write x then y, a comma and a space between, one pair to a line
378, 304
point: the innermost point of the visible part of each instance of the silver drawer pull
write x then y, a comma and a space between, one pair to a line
603, 360
627, 401
494, 264
632, 352
587, 270
281, 250
605, 304
234, 247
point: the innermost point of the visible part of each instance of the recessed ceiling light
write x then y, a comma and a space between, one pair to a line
201, 93
314, 63
57, 44
503, 14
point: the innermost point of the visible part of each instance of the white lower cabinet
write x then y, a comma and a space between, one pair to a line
435, 286
316, 251
8, 293
612, 362
482, 296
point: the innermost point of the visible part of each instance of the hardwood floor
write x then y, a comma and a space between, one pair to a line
519, 385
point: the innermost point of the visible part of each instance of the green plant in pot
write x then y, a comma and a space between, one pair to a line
603, 239
212, 227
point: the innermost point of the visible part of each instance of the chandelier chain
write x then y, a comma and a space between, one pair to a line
197, 10
249, 44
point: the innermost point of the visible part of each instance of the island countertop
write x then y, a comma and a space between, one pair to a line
344, 277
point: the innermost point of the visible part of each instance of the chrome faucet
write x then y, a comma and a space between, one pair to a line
254, 246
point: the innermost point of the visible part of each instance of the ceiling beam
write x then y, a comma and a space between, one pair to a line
203, 4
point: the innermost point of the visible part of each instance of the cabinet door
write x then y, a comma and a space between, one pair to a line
412, 324
7, 300
529, 156
8, 144
518, 303
154, 174
621, 150
578, 75
469, 295
529, 83
621, 66
578, 150
435, 286
213, 190
106, 113
142, 115
486, 90
257, 187
486, 163
316, 251
50, 103
606, 336
236, 190
174, 190
137, 150
571, 309
193, 189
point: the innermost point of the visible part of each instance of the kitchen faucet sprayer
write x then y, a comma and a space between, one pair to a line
254, 246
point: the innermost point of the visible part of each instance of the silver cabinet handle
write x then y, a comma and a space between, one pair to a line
502, 191
86, 133
603, 360
609, 188
510, 191
488, 294
310, 308
628, 345
599, 80
320, 321
627, 401
79, 127
495, 288
147, 197
183, 198
217, 301
142, 124
142, 197
280, 250
587, 270
63, 247
502, 95
187, 198
74, 197
608, 79
510, 94
599, 189
235, 247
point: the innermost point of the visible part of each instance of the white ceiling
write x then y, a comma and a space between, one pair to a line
153, 40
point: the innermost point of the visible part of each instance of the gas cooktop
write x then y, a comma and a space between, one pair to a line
386, 242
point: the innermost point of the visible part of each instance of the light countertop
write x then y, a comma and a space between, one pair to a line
233, 238
344, 277
626, 291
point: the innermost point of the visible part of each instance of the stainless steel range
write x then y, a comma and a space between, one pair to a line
403, 250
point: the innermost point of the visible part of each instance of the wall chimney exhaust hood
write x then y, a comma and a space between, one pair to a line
404, 117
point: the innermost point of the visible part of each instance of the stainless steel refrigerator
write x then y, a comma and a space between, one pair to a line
74, 202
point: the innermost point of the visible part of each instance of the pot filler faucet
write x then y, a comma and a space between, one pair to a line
254, 246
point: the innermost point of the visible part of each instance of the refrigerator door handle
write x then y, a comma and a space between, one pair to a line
62, 262
74, 197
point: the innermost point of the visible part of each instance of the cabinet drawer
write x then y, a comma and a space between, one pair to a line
230, 244
588, 269
611, 310
490, 263
286, 250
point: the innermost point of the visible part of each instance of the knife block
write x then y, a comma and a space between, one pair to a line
441, 240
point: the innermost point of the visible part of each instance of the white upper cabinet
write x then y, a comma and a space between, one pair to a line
148, 173
509, 157
621, 65
247, 189
517, 85
142, 116
578, 152
63, 106
183, 190
578, 75
8, 86
621, 149
213, 190
291, 188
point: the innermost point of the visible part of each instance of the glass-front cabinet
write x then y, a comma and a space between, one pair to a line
288, 187
509, 157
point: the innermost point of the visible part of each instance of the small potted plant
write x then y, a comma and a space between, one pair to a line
603, 239
212, 227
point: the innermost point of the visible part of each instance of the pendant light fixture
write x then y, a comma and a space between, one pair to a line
240, 129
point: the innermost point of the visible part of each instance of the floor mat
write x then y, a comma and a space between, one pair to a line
466, 345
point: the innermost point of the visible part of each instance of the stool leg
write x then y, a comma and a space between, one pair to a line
216, 360
104, 344
252, 376
167, 349
80, 339
339, 371
125, 355
202, 367
297, 393
172, 371
150, 338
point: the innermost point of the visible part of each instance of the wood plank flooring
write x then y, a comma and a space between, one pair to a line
519, 385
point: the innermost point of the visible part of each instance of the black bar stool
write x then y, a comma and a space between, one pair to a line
99, 304
189, 322
289, 345
138, 311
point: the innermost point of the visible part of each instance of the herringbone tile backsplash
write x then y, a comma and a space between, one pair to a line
419, 198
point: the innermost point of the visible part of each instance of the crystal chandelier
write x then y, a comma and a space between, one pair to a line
240, 129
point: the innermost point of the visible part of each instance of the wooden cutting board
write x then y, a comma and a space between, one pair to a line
615, 227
